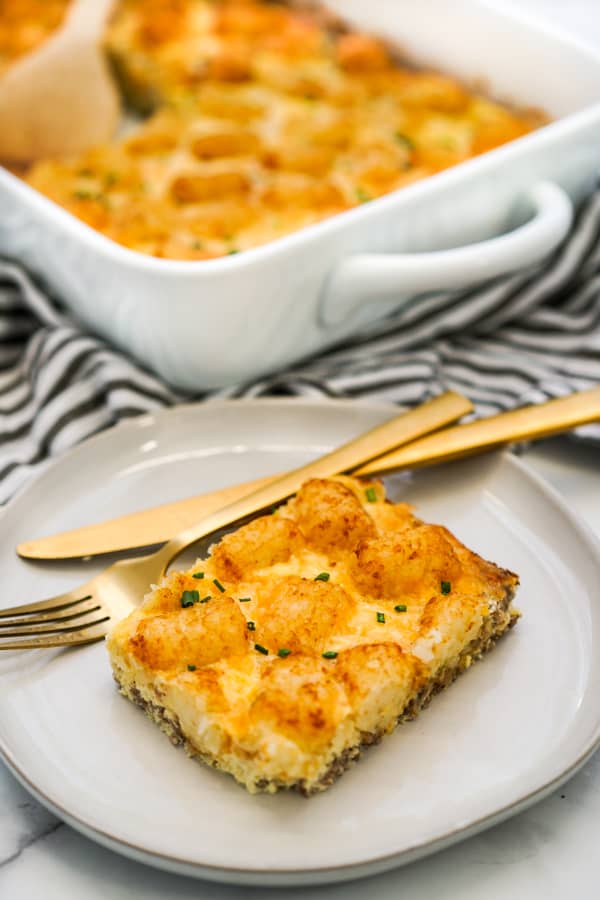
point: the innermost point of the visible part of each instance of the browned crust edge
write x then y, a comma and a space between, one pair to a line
494, 626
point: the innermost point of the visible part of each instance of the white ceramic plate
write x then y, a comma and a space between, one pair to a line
503, 736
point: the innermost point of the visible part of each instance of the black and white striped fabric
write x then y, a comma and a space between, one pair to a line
518, 340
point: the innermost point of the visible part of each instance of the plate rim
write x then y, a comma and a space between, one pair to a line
322, 874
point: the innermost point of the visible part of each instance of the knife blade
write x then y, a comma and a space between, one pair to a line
159, 523
399, 429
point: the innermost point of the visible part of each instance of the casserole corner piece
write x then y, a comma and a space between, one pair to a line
308, 634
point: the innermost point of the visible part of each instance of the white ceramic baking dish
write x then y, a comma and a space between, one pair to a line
206, 324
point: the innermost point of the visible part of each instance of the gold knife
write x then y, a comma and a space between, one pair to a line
153, 526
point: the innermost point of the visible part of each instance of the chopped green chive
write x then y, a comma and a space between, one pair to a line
261, 649
362, 196
273, 510
245, 599
330, 654
191, 668
401, 607
371, 494
283, 651
206, 599
86, 195
404, 139
198, 575
251, 626
232, 252
445, 587
197, 245
447, 143
188, 598
322, 576
110, 178
381, 618
218, 584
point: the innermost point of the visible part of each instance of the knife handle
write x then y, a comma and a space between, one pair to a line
525, 424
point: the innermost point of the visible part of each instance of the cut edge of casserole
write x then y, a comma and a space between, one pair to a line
309, 634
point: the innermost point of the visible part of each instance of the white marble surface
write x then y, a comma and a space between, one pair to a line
547, 853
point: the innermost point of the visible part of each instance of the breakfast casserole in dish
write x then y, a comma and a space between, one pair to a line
308, 634
263, 118
139, 238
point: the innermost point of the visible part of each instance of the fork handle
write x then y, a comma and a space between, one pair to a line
402, 429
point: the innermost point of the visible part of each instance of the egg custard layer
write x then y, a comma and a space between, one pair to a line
308, 634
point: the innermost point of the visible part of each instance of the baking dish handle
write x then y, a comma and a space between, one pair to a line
388, 279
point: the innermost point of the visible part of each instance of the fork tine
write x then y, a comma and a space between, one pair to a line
72, 638
65, 614
52, 604
96, 617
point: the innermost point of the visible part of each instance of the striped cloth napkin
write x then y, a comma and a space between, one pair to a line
517, 340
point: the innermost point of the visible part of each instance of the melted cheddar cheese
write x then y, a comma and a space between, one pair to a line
309, 633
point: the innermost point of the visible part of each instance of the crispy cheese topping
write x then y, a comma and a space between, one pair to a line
278, 698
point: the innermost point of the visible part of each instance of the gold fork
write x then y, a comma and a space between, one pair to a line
86, 613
